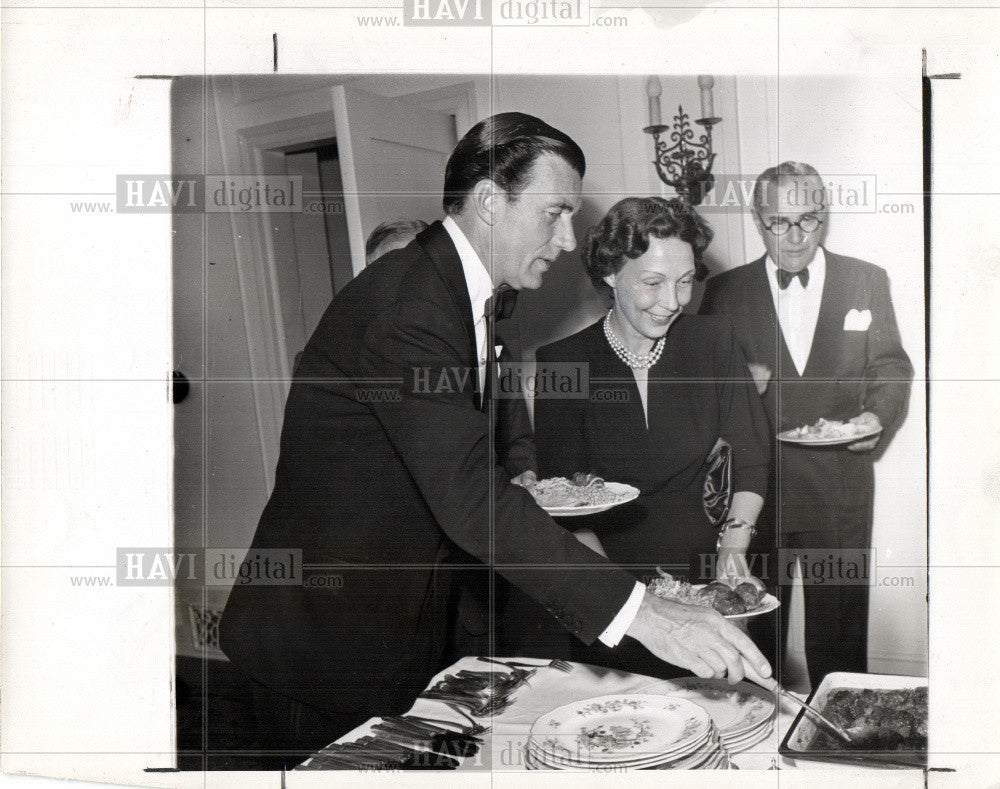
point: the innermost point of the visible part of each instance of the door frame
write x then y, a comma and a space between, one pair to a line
249, 133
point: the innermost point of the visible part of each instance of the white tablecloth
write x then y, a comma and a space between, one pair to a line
549, 688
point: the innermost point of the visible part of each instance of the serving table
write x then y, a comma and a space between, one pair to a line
504, 745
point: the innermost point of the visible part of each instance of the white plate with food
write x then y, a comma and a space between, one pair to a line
768, 602
828, 432
739, 601
584, 494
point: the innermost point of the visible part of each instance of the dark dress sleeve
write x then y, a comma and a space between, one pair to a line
742, 420
559, 424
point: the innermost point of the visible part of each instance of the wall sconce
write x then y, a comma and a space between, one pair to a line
683, 162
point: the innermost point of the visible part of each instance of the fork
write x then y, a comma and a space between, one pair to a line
475, 727
558, 664
477, 705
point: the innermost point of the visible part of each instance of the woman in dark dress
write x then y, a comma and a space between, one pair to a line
664, 388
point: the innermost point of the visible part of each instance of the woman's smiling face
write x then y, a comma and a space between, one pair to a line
652, 289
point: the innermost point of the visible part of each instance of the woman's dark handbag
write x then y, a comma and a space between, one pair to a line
717, 494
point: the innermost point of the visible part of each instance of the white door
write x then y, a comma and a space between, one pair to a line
392, 156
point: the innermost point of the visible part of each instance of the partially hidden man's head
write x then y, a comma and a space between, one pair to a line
518, 181
790, 210
394, 234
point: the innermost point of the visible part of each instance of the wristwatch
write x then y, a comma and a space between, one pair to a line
737, 523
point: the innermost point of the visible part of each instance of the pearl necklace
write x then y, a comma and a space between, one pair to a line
634, 360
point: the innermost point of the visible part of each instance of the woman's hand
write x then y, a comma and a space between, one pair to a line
731, 566
761, 375
588, 538
525, 478
731, 556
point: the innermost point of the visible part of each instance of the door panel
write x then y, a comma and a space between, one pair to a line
392, 157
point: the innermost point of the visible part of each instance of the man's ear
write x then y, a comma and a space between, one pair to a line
487, 201
825, 227
757, 222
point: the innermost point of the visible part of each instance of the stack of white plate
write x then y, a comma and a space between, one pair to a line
742, 713
626, 732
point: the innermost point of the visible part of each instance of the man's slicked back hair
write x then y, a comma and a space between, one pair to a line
503, 148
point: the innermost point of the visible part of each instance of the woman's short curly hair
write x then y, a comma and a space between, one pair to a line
625, 231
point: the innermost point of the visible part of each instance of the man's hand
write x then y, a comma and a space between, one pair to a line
761, 375
696, 638
869, 421
525, 478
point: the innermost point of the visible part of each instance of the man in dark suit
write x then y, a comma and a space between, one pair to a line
394, 476
822, 328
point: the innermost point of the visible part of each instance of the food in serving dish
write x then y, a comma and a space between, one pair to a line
828, 429
885, 720
583, 490
742, 598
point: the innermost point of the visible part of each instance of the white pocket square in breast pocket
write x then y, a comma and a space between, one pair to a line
858, 320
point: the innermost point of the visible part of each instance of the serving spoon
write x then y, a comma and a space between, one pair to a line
771, 684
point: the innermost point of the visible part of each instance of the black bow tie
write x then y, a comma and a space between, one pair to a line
785, 277
500, 305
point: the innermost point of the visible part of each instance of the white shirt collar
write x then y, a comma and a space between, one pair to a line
817, 268
477, 278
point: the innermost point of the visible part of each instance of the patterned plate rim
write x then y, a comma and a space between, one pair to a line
738, 727
541, 728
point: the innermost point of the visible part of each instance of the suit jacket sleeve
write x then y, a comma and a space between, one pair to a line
716, 301
710, 298
444, 441
888, 371
559, 433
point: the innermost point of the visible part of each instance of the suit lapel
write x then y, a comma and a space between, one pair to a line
439, 247
761, 303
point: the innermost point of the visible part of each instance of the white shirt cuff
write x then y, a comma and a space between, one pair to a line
615, 632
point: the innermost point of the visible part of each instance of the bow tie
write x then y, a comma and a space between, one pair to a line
500, 305
785, 277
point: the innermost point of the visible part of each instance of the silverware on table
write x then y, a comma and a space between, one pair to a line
558, 664
482, 693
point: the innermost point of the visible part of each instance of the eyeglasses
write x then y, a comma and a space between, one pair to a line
807, 224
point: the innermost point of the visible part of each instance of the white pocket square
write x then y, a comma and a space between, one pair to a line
858, 321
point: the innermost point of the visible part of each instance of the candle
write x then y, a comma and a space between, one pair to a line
653, 91
706, 83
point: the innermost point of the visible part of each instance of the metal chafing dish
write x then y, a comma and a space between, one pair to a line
798, 741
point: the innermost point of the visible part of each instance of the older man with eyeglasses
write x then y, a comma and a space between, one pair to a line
821, 340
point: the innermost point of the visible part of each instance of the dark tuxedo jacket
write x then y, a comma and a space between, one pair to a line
391, 478
848, 371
